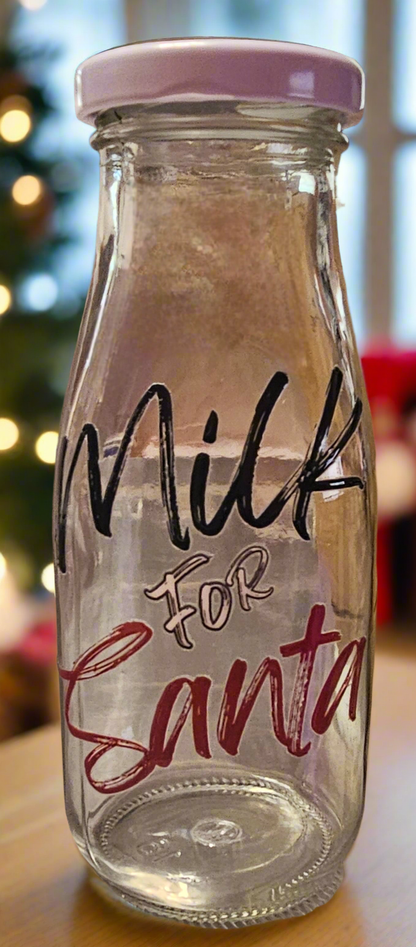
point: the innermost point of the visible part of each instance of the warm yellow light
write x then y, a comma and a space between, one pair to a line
32, 4
15, 125
48, 578
9, 433
46, 445
3, 567
5, 299
12, 102
27, 189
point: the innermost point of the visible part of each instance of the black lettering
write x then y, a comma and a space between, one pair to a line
301, 484
101, 506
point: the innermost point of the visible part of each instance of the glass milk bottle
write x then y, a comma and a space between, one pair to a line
215, 502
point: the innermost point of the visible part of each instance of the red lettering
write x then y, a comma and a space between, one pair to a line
231, 722
161, 752
324, 710
306, 648
133, 636
129, 638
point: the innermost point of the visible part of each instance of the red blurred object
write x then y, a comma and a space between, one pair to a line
28, 678
390, 377
39, 644
390, 374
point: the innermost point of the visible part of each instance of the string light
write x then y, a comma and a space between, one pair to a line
15, 125
48, 578
32, 4
3, 566
46, 445
9, 433
5, 299
27, 190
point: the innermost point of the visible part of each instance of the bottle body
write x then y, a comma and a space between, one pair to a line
214, 534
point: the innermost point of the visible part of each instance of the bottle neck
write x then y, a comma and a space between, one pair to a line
234, 140
313, 128
153, 158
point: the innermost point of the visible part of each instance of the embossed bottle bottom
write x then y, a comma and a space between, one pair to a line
219, 851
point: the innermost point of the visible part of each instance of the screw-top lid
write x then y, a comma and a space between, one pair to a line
205, 69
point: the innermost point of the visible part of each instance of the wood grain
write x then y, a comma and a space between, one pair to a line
46, 899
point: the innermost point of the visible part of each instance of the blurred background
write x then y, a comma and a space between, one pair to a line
48, 211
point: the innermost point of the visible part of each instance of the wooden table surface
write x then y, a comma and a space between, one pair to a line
46, 899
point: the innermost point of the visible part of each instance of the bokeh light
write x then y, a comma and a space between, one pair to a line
39, 292
32, 4
15, 125
5, 299
27, 189
46, 446
9, 433
48, 578
3, 566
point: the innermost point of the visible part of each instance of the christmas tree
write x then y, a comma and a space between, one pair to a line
37, 334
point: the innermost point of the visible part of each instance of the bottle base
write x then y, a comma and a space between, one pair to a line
218, 852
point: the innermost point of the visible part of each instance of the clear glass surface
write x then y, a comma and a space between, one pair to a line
351, 188
214, 522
